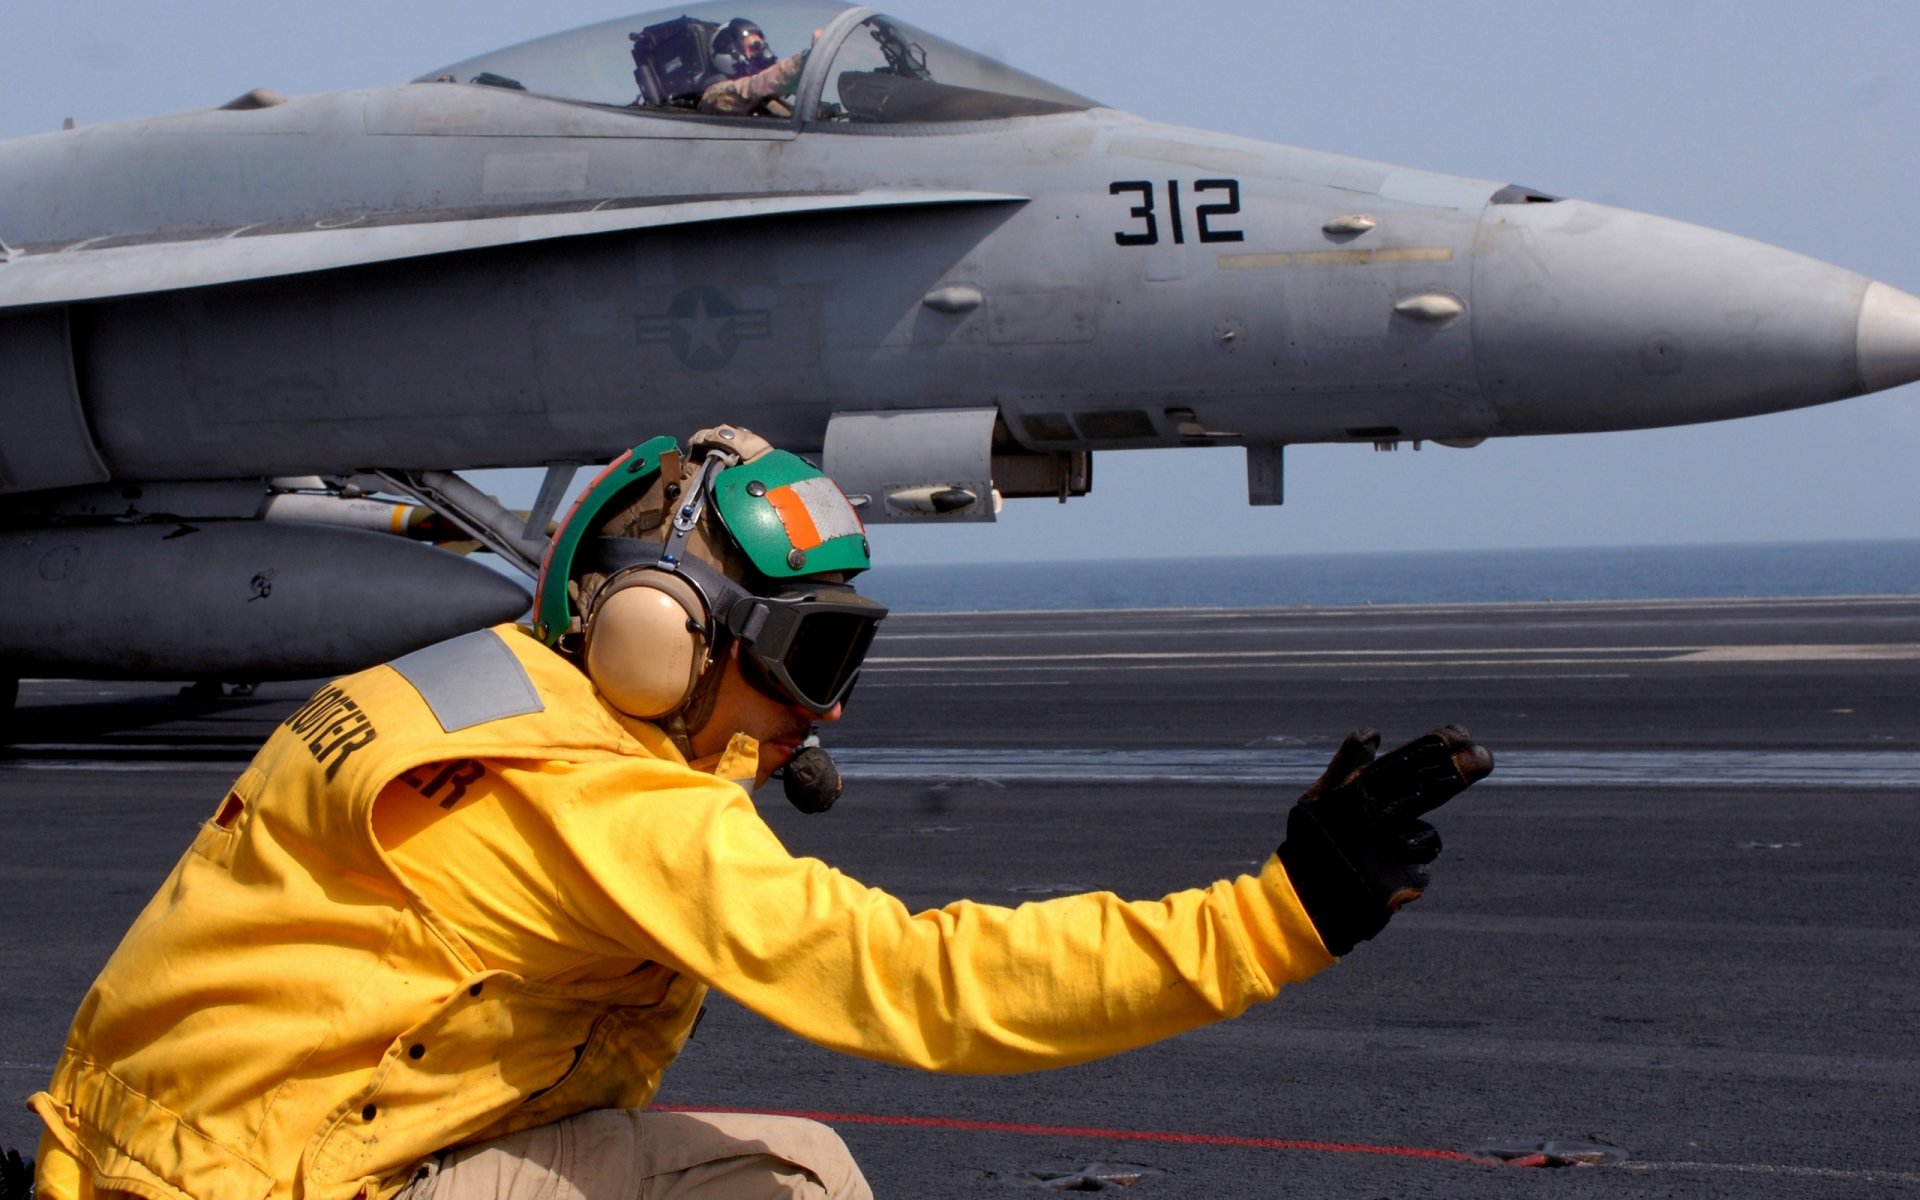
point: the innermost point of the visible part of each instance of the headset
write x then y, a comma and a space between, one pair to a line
648, 633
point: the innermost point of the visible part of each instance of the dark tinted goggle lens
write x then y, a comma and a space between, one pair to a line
826, 653
808, 650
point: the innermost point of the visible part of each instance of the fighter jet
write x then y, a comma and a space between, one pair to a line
245, 347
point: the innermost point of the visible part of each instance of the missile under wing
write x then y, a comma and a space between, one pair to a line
954, 280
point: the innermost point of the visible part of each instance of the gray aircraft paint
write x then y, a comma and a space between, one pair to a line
442, 276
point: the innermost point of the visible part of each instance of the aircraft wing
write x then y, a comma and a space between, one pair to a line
99, 268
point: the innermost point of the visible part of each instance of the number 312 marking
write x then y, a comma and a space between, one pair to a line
1204, 215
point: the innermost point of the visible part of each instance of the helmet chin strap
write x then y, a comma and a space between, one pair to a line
680, 726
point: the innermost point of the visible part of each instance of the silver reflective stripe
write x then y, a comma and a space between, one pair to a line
470, 680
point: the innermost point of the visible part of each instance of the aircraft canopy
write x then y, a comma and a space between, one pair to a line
864, 69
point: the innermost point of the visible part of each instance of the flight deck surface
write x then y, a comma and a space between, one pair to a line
1679, 919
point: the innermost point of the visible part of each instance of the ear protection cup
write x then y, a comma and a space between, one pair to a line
645, 642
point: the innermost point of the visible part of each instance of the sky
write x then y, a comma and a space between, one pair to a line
1784, 121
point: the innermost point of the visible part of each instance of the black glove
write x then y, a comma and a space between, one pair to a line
1356, 849
16, 1176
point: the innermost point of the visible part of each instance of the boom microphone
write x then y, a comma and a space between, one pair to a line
811, 781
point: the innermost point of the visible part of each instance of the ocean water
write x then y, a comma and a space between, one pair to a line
1866, 568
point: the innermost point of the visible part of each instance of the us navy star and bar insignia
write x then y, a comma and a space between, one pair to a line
704, 328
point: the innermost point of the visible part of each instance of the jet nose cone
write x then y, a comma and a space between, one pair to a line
1888, 344
1590, 317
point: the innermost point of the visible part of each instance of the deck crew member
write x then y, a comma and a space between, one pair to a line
446, 932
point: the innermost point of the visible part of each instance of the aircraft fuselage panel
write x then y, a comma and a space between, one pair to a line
48, 443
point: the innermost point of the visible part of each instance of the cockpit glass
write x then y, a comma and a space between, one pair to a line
660, 59
888, 72
885, 72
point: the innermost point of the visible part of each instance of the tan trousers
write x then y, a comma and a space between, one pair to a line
625, 1154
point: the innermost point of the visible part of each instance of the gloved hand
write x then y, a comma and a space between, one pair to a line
1356, 849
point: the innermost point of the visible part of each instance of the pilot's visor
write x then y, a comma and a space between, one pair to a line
807, 644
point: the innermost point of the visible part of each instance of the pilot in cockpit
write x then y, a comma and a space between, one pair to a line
746, 76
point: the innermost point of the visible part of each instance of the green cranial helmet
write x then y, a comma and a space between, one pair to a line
789, 519
765, 540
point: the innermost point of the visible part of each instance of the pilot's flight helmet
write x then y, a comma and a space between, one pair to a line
667, 557
729, 55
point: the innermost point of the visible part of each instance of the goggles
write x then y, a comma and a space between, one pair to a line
803, 642
808, 646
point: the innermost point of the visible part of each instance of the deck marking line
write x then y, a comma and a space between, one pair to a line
1520, 654
1167, 1137
1883, 652
1516, 655
1227, 663
1079, 1131
1861, 1174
